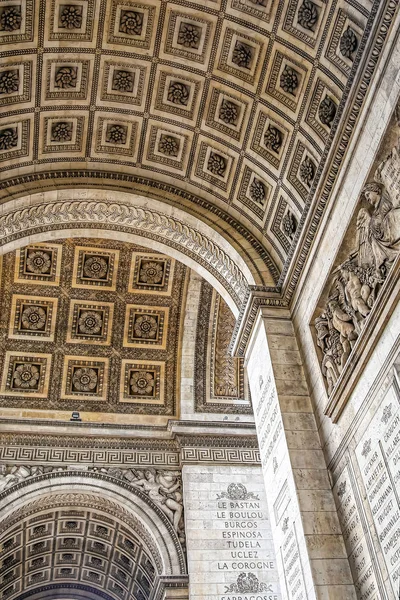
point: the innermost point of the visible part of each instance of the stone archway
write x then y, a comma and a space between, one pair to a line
138, 219
85, 535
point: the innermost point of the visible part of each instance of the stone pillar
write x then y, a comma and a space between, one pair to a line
311, 555
229, 542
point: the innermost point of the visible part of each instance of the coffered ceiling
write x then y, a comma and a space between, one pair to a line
97, 326
93, 326
230, 105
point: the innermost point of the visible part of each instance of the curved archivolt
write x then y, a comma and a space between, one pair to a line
82, 539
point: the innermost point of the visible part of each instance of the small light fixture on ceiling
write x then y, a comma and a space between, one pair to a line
75, 416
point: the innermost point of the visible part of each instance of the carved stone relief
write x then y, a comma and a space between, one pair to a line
355, 284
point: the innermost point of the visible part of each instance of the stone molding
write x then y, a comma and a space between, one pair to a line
126, 217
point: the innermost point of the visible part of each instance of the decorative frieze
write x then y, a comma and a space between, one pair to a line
371, 248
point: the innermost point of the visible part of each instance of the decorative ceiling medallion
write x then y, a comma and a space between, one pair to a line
287, 80
177, 93
67, 78
188, 36
254, 192
32, 317
142, 382
304, 20
95, 267
131, 24
240, 55
90, 322
167, 147
116, 136
226, 112
84, 378
284, 224
63, 134
344, 42
302, 170
14, 139
214, 166
146, 326
72, 21
151, 274
322, 110
16, 21
38, 264
123, 81
270, 139
15, 82
26, 374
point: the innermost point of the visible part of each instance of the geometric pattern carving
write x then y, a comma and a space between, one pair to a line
84, 378
39, 263
112, 296
26, 374
151, 274
90, 322
142, 382
95, 268
146, 326
32, 317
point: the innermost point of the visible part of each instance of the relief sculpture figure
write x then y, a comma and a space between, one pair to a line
357, 282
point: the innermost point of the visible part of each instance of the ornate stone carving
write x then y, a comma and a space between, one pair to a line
273, 138
216, 164
358, 281
9, 81
228, 112
168, 145
348, 43
116, 134
71, 16
8, 138
289, 80
248, 583
11, 18
237, 492
131, 22
61, 131
122, 81
307, 171
189, 35
33, 317
178, 93
257, 191
66, 77
242, 55
327, 111
307, 16
289, 224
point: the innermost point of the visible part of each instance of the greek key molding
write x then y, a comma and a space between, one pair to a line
241, 456
71, 456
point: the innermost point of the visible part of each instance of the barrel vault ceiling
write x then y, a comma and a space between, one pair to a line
231, 105
97, 326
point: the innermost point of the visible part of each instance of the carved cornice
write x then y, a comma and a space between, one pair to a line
126, 217
299, 252
257, 296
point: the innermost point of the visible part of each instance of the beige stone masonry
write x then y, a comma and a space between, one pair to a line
312, 559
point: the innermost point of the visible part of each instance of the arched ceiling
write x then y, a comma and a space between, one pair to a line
74, 546
226, 107
97, 326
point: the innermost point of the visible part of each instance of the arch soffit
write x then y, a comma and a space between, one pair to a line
130, 506
136, 218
